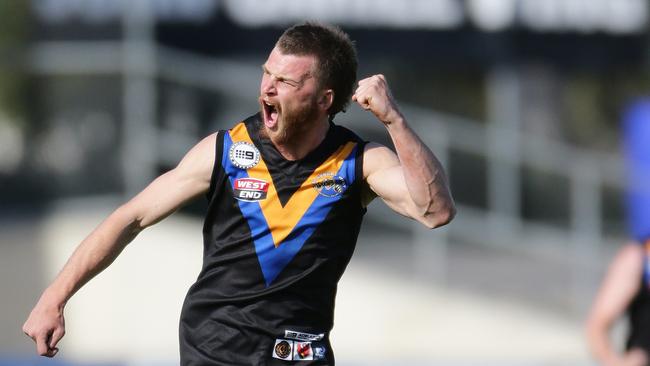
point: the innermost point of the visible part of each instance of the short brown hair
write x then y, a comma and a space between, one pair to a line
335, 53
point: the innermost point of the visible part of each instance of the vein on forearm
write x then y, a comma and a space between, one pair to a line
423, 173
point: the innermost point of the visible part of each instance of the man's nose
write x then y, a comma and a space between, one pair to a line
268, 85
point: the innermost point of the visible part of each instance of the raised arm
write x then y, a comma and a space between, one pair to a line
412, 182
45, 325
620, 285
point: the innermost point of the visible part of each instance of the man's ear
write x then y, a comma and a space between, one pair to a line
326, 99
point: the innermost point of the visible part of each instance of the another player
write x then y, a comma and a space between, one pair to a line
624, 291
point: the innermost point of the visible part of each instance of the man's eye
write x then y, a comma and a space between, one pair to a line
288, 82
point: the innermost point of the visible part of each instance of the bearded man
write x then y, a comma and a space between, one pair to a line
287, 190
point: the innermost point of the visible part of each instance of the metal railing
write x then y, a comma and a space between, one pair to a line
500, 142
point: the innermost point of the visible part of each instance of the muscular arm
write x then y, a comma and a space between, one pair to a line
617, 291
412, 182
97, 251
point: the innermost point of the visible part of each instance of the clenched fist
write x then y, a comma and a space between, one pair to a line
46, 327
374, 95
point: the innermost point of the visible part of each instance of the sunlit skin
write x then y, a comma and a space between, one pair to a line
617, 291
293, 104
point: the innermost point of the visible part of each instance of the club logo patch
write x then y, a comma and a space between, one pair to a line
244, 155
250, 189
329, 184
283, 349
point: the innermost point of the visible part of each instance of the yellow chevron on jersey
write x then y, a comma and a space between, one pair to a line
282, 220
279, 232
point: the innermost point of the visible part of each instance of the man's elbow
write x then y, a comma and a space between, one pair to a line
130, 222
440, 217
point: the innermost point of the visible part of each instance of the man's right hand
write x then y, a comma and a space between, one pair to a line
46, 326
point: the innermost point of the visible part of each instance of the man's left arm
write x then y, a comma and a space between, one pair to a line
412, 182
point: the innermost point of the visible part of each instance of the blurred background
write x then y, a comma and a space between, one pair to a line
522, 100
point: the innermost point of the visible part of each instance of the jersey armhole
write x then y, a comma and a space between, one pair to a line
217, 168
362, 184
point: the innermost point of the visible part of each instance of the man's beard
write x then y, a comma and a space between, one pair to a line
293, 124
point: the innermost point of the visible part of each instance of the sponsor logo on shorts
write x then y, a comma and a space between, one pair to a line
250, 189
244, 155
319, 351
302, 351
302, 336
283, 349
289, 350
329, 184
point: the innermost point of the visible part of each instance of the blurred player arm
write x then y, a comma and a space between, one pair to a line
412, 182
618, 289
161, 198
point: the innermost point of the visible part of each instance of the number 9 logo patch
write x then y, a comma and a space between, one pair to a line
244, 155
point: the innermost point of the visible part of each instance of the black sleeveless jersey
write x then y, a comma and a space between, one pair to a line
639, 310
278, 235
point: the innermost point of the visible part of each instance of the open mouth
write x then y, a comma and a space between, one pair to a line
270, 114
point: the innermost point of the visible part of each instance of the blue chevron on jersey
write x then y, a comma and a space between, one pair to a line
274, 256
